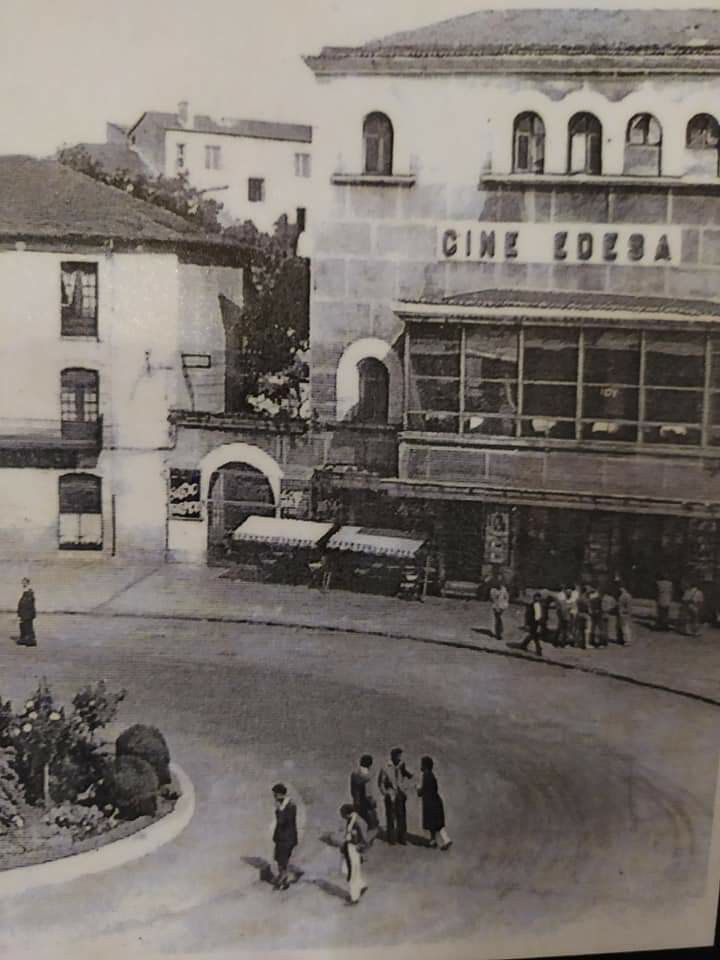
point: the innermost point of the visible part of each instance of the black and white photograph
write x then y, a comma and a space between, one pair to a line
359, 479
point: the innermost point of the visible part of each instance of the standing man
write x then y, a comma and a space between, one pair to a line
390, 783
363, 802
535, 619
692, 602
664, 599
352, 845
285, 835
26, 616
624, 617
500, 600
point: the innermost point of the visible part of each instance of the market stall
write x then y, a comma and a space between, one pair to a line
374, 561
278, 550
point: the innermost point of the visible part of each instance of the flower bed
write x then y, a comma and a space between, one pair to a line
63, 789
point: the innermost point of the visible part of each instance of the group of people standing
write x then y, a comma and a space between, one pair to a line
579, 615
360, 821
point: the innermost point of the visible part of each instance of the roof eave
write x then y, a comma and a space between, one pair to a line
353, 62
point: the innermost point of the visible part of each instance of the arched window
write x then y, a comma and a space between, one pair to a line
584, 144
79, 399
80, 521
703, 138
643, 146
378, 144
528, 144
703, 132
374, 391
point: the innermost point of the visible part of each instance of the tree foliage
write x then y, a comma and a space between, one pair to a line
171, 193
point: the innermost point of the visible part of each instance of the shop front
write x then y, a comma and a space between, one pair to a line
276, 550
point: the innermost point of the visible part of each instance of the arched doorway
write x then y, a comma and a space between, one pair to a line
373, 391
236, 491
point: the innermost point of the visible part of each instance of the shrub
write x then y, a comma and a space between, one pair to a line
80, 821
95, 707
11, 791
149, 744
130, 786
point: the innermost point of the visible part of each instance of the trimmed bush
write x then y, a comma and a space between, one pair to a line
81, 822
149, 744
11, 791
130, 786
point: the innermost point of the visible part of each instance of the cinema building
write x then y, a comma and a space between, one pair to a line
515, 281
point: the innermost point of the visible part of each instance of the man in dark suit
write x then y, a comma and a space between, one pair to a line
26, 616
390, 783
535, 620
285, 835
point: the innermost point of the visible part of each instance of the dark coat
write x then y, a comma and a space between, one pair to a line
285, 833
26, 606
433, 811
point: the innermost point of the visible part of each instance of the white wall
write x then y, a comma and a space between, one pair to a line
244, 157
136, 354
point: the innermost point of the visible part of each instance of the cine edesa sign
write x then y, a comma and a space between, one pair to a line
185, 495
559, 243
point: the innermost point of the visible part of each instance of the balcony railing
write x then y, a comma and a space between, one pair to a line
33, 434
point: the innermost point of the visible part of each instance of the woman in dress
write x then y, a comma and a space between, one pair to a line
433, 810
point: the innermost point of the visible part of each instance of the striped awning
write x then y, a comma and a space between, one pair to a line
383, 543
280, 531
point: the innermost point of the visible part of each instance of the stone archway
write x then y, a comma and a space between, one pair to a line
237, 480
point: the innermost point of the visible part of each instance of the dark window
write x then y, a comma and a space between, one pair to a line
584, 144
374, 391
80, 501
79, 400
674, 385
550, 382
378, 144
78, 299
611, 385
256, 190
491, 371
300, 218
703, 133
180, 156
434, 378
643, 146
528, 144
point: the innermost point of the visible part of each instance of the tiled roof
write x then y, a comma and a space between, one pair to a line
257, 129
546, 30
577, 300
42, 199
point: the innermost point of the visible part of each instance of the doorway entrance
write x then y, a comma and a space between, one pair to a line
236, 492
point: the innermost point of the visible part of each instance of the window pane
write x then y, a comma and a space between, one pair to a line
491, 397
551, 354
612, 357
675, 359
522, 152
372, 154
667, 433
435, 352
78, 299
715, 367
673, 406
549, 400
433, 422
80, 493
610, 403
491, 353
548, 427
610, 431
434, 394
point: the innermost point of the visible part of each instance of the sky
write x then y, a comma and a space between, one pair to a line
67, 67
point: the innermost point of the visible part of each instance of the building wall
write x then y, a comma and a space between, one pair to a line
137, 356
242, 158
375, 245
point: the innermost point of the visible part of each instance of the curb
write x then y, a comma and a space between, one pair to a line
386, 634
117, 854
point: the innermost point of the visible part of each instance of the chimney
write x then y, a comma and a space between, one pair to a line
184, 113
